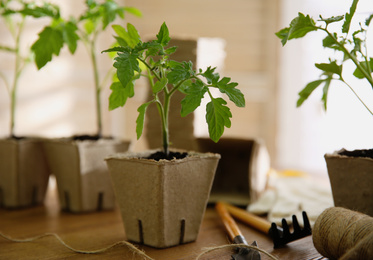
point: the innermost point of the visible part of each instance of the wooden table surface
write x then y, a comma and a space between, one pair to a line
92, 231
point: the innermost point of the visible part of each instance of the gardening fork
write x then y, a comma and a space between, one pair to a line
280, 236
236, 236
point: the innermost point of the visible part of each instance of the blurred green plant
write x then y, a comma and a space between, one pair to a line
87, 28
353, 45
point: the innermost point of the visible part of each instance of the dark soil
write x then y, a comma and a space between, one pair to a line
368, 153
162, 156
89, 137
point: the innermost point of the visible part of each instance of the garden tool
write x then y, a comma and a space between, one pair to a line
280, 236
236, 236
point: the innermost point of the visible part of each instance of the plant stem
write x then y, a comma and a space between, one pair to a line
370, 111
165, 133
92, 48
17, 73
352, 57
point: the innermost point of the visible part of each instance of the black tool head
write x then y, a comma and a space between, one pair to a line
282, 236
244, 253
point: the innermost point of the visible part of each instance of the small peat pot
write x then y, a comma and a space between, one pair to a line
162, 202
82, 177
351, 179
24, 172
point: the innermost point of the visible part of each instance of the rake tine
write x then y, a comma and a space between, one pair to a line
296, 226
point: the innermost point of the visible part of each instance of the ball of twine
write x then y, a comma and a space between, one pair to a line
343, 234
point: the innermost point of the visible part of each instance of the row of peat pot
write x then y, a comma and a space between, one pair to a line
162, 202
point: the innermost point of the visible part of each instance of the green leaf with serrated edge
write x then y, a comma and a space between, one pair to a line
348, 17
324, 97
159, 85
47, 10
328, 42
109, 11
300, 26
192, 100
307, 91
130, 35
331, 67
118, 96
70, 36
332, 19
170, 50
217, 116
210, 75
117, 49
126, 64
229, 88
141, 118
358, 74
133, 34
50, 42
179, 71
283, 34
163, 36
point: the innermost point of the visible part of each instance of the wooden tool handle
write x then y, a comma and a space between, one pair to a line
248, 218
228, 221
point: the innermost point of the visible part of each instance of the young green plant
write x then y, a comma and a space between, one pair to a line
353, 46
15, 14
87, 28
151, 59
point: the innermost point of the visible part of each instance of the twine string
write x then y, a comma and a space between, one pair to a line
133, 248
344, 234
102, 250
211, 249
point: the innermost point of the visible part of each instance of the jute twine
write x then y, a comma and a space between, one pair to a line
133, 248
343, 234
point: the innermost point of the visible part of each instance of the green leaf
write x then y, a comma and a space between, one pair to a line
163, 36
307, 91
50, 42
192, 100
324, 97
331, 67
134, 11
179, 71
109, 11
332, 19
159, 85
47, 10
300, 26
329, 42
70, 37
130, 36
358, 74
118, 96
126, 64
217, 116
141, 118
210, 75
348, 17
283, 34
229, 88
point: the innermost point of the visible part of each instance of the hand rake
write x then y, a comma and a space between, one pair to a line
280, 236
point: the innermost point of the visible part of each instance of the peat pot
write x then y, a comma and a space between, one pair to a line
82, 177
162, 202
351, 179
24, 173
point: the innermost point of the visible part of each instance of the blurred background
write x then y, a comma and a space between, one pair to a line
58, 100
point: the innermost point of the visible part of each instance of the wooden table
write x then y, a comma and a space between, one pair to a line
92, 231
